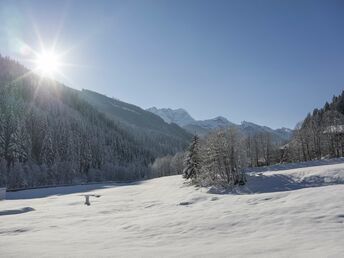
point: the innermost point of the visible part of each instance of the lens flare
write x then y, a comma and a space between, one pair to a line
47, 63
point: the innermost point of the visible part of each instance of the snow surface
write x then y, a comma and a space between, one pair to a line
283, 213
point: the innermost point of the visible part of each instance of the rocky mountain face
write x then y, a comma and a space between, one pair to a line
203, 127
178, 116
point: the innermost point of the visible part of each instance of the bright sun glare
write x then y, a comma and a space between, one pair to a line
47, 64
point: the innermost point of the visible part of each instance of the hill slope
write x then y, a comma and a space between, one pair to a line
147, 219
320, 134
50, 134
144, 125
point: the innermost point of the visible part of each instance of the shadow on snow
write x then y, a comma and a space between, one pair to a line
276, 183
17, 211
288, 166
64, 190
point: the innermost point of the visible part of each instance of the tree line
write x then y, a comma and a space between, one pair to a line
221, 157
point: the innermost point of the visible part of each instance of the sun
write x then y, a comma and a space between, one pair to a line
47, 63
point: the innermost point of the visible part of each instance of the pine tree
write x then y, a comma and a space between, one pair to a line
192, 162
24, 143
8, 135
47, 151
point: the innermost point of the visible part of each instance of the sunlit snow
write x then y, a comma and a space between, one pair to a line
284, 213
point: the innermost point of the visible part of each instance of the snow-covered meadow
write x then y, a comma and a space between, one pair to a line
282, 213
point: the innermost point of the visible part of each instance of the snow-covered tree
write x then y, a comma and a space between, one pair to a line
192, 160
224, 158
47, 151
24, 143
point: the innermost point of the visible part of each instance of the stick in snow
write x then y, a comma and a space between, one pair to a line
87, 198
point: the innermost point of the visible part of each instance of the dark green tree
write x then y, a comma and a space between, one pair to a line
192, 160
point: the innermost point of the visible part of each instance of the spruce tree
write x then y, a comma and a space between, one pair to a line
192, 161
47, 151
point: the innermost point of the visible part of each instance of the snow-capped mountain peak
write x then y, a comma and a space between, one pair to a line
214, 123
203, 127
178, 116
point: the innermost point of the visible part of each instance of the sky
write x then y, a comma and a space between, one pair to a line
267, 62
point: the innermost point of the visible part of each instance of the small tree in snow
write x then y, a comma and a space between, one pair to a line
192, 161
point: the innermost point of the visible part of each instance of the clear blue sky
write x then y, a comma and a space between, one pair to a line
269, 62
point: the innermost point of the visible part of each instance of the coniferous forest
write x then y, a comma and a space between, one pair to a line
50, 135
319, 135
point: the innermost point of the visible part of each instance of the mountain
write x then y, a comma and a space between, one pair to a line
177, 116
203, 127
285, 133
215, 123
182, 118
51, 134
147, 128
248, 128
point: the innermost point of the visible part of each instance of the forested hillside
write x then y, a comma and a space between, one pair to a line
320, 135
49, 134
148, 129
222, 155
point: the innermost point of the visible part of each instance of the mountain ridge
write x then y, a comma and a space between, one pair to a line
143, 124
52, 134
178, 116
203, 127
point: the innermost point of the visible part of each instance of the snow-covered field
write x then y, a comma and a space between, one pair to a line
282, 213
